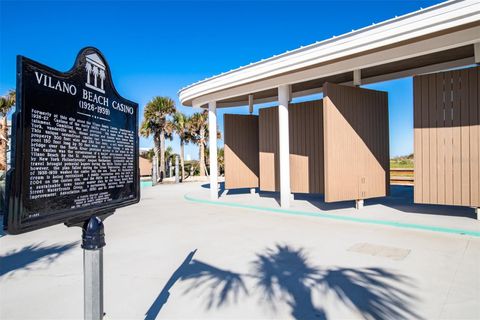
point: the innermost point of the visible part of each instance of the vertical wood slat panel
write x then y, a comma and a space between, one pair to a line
425, 142
432, 125
373, 136
306, 169
320, 151
356, 160
456, 158
295, 142
457, 169
464, 139
361, 117
268, 148
292, 117
303, 183
305, 131
417, 124
448, 139
386, 144
439, 90
477, 89
358, 118
241, 151
474, 123
277, 148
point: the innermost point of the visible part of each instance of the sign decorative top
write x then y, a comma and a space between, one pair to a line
75, 145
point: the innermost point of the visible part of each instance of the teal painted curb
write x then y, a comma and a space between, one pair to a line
338, 217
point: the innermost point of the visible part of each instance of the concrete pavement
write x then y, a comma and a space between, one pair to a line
168, 258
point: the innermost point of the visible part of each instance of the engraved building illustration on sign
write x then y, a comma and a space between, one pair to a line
95, 72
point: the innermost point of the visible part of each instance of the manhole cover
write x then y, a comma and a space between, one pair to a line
380, 251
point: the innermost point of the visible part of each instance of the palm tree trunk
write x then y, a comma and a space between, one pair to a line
157, 151
206, 161
162, 155
182, 164
202, 153
3, 144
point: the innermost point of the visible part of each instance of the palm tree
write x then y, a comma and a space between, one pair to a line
168, 159
221, 160
148, 154
6, 103
169, 152
180, 126
198, 129
155, 124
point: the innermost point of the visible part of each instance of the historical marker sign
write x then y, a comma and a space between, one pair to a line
75, 145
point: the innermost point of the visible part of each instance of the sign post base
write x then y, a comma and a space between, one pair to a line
93, 241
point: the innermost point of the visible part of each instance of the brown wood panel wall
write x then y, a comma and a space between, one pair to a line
268, 149
447, 137
356, 145
241, 151
306, 148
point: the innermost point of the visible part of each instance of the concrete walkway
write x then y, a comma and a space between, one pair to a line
397, 209
169, 258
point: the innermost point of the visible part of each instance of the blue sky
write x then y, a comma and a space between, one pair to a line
157, 47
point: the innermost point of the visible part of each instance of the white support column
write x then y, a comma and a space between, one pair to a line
359, 204
357, 77
250, 103
284, 152
477, 211
212, 144
476, 48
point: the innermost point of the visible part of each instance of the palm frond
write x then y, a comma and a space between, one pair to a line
7, 102
155, 115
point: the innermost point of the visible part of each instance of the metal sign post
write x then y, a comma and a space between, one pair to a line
93, 241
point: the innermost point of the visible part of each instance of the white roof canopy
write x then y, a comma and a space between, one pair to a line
428, 40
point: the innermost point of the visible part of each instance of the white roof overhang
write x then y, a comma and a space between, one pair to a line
435, 38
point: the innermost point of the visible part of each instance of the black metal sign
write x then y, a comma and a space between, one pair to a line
74, 147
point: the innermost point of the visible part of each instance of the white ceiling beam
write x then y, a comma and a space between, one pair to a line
419, 48
422, 70
381, 78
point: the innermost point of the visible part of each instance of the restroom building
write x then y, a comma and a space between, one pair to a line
338, 146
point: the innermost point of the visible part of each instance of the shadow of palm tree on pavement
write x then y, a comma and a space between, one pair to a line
283, 275
24, 258
221, 285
